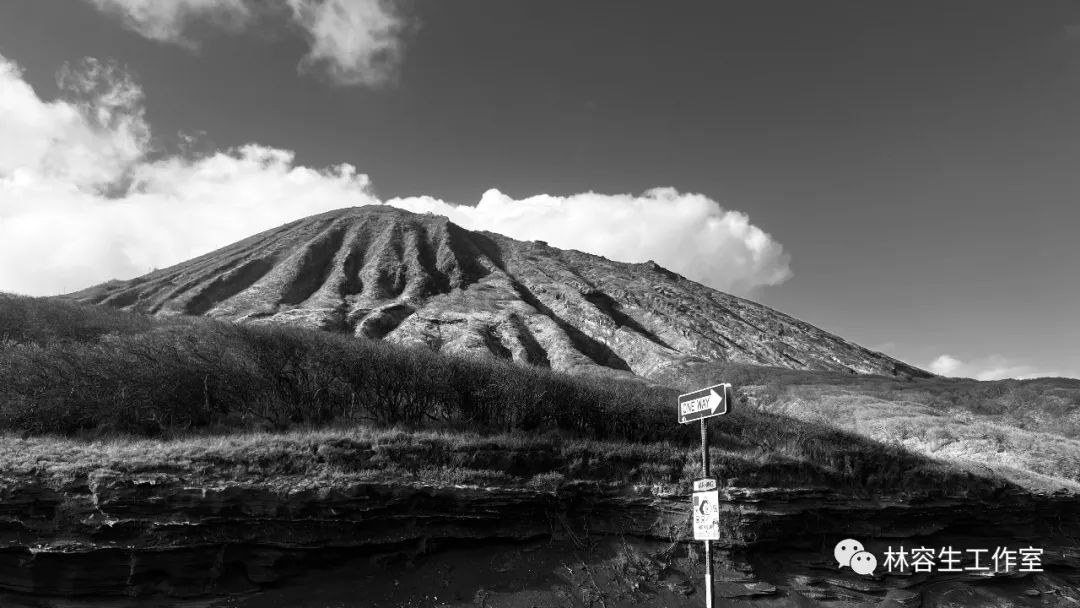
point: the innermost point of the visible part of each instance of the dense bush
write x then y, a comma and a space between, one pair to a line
40, 320
67, 369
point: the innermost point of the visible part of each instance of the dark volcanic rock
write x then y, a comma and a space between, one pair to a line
156, 535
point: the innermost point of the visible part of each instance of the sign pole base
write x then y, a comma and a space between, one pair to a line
708, 575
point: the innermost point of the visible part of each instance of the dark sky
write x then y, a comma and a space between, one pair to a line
918, 159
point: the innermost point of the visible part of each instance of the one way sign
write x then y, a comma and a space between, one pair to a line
705, 403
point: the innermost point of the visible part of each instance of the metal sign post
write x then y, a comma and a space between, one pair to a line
699, 405
708, 542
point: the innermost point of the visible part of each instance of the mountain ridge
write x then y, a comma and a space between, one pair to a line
384, 273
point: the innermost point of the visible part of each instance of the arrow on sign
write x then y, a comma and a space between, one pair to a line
715, 401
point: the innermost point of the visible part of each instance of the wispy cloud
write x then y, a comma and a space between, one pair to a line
352, 42
171, 20
82, 201
992, 367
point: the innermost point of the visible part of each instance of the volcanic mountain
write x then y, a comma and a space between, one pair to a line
382, 273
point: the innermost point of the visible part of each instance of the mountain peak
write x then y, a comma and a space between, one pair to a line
380, 272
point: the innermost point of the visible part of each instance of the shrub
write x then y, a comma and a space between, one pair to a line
144, 377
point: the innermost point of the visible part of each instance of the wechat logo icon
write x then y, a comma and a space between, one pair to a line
851, 553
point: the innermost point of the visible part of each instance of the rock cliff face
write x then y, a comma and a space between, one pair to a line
384, 273
111, 536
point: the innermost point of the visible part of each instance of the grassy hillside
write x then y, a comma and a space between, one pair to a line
1025, 430
84, 387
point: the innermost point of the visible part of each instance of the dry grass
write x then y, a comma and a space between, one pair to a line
987, 434
342, 456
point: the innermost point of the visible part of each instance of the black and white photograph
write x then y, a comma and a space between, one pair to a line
539, 304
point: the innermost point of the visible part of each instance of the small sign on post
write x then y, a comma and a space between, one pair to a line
703, 485
707, 515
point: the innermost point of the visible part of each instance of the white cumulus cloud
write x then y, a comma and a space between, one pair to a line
88, 139
351, 42
82, 201
688, 233
945, 365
